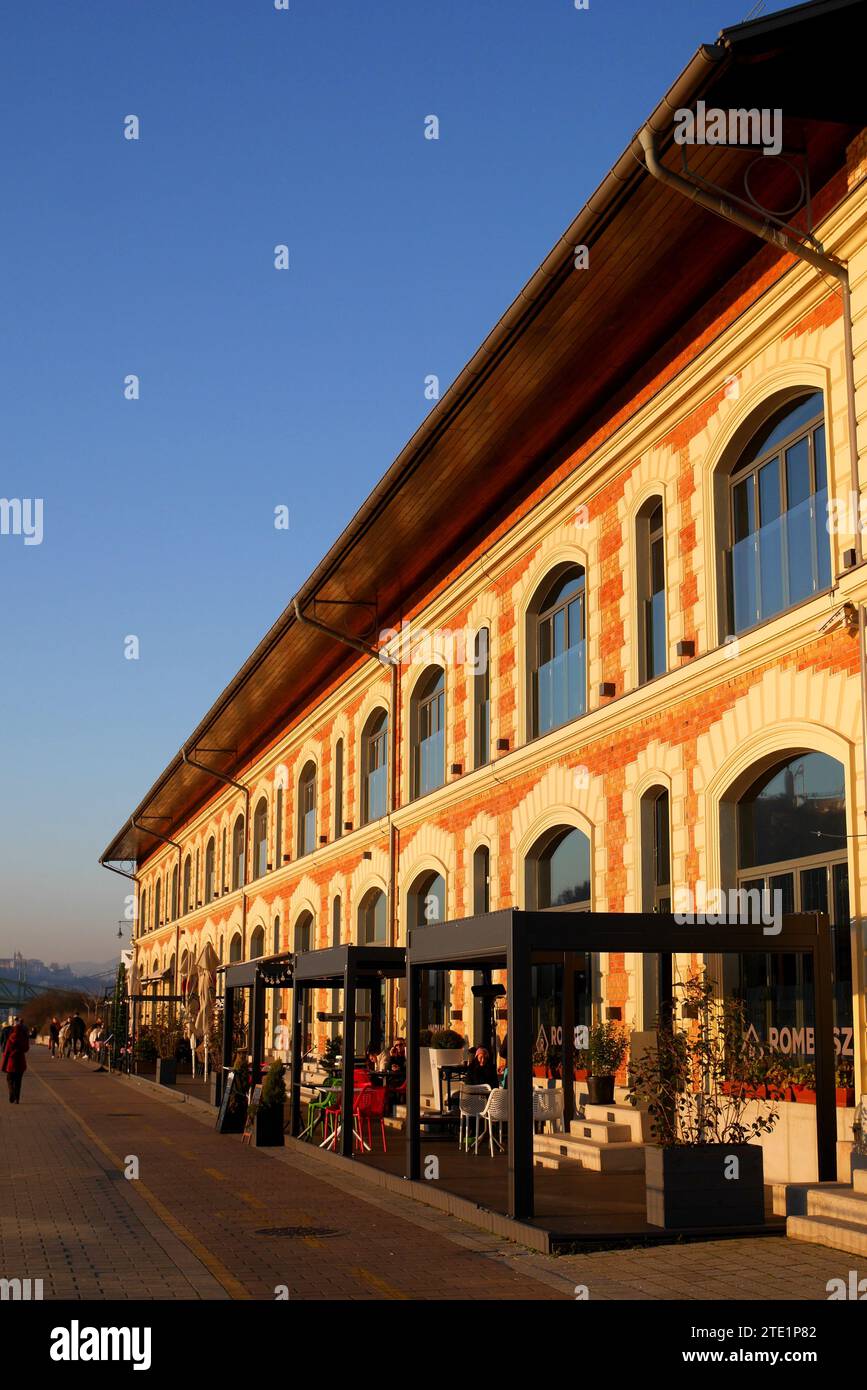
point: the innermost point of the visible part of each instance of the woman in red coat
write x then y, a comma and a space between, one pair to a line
14, 1063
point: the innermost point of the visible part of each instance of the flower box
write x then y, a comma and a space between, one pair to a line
688, 1186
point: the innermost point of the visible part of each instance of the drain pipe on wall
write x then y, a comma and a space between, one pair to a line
230, 782
384, 660
827, 265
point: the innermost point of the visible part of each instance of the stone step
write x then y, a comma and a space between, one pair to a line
618, 1157
560, 1165
841, 1205
823, 1230
859, 1179
790, 1198
636, 1121
603, 1130
582, 1095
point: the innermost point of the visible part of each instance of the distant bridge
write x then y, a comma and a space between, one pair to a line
14, 993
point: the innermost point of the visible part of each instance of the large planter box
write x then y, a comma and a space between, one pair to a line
167, 1071
429, 1077
268, 1127
687, 1186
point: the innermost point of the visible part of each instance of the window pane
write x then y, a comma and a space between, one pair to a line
797, 810
744, 509
798, 487
819, 457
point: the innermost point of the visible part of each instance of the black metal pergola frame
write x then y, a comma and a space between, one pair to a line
510, 940
266, 972
349, 968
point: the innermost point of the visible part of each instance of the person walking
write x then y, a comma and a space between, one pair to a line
53, 1037
76, 1034
14, 1062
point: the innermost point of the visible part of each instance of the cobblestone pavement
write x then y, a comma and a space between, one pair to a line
210, 1218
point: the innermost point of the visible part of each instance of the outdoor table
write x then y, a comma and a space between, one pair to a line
448, 1072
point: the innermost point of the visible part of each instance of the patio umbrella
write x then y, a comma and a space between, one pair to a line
206, 967
191, 1014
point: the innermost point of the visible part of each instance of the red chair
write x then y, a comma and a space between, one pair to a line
370, 1105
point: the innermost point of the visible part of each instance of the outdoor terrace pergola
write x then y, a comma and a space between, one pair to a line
349, 968
266, 972
514, 941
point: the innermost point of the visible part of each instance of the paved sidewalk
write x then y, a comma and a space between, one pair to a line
211, 1218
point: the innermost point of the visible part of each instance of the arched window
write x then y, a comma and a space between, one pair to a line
556, 649
223, 879
481, 880
307, 809
188, 884
210, 868
779, 553
427, 906
143, 910
481, 699
303, 941
174, 893
374, 767
428, 732
338, 789
276, 936
792, 844
558, 870
235, 947
655, 888
260, 838
257, 943
238, 837
557, 876
650, 555
336, 933
655, 851
372, 918
158, 895
278, 829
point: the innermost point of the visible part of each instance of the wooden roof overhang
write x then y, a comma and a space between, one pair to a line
573, 349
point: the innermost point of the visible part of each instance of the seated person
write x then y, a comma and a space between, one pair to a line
482, 1069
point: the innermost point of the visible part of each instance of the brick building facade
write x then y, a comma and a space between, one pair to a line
673, 630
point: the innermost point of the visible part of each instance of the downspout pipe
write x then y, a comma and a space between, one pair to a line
384, 660
776, 236
230, 782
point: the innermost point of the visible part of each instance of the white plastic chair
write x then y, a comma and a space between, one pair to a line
496, 1112
548, 1109
471, 1104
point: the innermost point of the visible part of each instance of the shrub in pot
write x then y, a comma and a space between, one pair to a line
702, 1166
606, 1053
268, 1114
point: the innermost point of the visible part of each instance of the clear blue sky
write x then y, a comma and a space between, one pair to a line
258, 387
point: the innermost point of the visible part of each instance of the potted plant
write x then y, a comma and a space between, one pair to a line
331, 1060
692, 993
606, 1053
803, 1083
845, 1092
444, 1048
166, 1037
702, 1168
268, 1113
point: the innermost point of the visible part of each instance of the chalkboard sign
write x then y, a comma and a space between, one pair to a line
254, 1101
223, 1112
